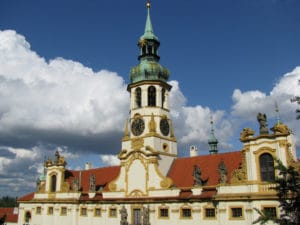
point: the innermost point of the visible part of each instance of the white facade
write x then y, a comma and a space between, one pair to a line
152, 185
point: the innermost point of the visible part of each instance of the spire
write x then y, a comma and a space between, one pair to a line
277, 113
149, 67
149, 34
212, 141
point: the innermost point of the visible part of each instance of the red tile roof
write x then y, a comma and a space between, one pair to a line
27, 197
181, 172
182, 169
103, 176
11, 214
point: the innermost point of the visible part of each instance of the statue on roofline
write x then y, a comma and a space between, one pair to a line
263, 125
197, 174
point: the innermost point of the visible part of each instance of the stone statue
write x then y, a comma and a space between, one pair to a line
263, 125
38, 183
223, 172
57, 157
197, 174
146, 216
124, 215
246, 134
76, 184
93, 183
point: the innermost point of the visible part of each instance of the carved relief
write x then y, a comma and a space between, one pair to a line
281, 128
246, 134
152, 124
166, 183
239, 175
137, 143
65, 187
112, 186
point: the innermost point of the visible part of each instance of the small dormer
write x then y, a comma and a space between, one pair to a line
262, 150
55, 174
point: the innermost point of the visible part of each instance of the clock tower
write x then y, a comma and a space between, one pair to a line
148, 143
149, 120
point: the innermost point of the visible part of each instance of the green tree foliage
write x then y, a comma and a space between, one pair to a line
7, 201
288, 192
2, 219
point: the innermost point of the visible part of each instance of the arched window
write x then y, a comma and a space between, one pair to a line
138, 97
53, 183
144, 50
149, 49
151, 96
267, 171
163, 97
27, 217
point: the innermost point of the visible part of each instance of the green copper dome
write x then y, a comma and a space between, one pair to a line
149, 67
149, 70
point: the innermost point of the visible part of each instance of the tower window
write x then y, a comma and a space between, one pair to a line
163, 97
267, 171
149, 49
144, 50
151, 96
138, 97
53, 183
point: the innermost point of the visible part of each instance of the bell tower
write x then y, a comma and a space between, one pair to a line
148, 145
149, 123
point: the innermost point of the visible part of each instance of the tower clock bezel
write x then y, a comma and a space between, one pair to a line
137, 126
164, 126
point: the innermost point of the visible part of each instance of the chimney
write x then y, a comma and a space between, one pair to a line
193, 151
88, 166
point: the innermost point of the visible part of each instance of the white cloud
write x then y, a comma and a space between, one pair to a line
60, 95
110, 160
248, 104
192, 123
62, 104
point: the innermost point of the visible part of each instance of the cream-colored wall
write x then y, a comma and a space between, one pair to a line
73, 217
274, 145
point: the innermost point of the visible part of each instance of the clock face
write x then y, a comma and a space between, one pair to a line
138, 126
164, 127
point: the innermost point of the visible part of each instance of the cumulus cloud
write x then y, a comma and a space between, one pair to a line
56, 98
63, 105
110, 160
192, 123
247, 104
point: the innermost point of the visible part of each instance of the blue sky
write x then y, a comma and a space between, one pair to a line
228, 58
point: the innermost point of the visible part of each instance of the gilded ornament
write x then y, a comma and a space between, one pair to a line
65, 187
239, 175
112, 186
152, 124
126, 132
246, 134
166, 183
281, 128
137, 143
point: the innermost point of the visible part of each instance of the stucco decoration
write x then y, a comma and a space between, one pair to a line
246, 134
239, 175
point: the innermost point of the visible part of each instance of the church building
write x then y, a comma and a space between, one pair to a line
152, 185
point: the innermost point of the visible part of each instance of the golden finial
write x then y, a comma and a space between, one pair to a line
148, 4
